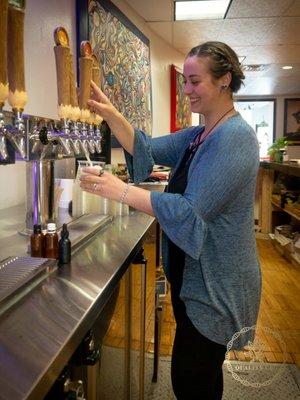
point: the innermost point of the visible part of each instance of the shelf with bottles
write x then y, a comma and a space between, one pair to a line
285, 215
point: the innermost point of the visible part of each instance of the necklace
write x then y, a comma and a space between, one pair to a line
216, 123
199, 139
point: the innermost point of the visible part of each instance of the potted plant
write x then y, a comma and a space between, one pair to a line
277, 149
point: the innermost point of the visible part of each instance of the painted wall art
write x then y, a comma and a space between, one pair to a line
292, 119
181, 116
124, 55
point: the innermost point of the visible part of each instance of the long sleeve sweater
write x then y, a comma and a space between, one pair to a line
212, 222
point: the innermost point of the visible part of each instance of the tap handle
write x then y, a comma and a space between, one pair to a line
3, 51
96, 73
15, 42
85, 68
62, 59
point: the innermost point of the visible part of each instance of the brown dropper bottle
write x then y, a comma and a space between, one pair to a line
37, 242
51, 242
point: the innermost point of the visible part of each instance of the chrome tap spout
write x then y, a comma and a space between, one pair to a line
91, 146
90, 138
98, 139
83, 146
16, 134
54, 138
18, 142
74, 144
63, 142
98, 146
3, 148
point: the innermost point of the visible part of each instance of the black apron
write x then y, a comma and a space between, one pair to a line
177, 184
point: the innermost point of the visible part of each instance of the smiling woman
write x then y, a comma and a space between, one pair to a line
206, 214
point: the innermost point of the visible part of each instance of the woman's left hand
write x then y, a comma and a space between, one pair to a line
104, 184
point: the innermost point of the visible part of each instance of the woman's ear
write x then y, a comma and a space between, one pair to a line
225, 81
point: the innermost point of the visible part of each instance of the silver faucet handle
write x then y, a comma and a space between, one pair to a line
75, 146
84, 146
18, 142
98, 146
3, 148
64, 143
91, 146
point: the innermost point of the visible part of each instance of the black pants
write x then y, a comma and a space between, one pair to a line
196, 369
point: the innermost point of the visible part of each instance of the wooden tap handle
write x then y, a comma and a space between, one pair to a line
85, 67
73, 87
62, 58
3, 51
15, 52
96, 74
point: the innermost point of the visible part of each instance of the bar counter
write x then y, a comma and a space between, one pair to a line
41, 331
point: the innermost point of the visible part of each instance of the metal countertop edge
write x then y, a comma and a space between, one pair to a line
48, 376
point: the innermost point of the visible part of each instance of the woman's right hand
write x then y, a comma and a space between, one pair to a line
118, 124
101, 105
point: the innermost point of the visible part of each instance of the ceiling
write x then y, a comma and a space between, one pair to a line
262, 31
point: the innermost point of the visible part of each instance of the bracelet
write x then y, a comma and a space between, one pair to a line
124, 193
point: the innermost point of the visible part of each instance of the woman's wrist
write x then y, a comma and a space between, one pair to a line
124, 193
119, 125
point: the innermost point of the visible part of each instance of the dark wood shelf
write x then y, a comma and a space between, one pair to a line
294, 212
286, 168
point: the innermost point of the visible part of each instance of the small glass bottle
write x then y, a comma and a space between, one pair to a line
37, 242
64, 246
51, 242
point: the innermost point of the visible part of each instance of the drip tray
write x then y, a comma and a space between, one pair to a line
86, 226
18, 275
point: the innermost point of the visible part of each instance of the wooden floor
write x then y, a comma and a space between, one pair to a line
279, 311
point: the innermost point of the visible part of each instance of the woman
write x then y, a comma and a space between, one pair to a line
206, 216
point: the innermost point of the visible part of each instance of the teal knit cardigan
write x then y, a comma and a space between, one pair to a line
212, 222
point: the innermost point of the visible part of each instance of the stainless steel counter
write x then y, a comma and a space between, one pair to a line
39, 334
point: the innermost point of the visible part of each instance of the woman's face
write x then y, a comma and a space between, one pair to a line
199, 86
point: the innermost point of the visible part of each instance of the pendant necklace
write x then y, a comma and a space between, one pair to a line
199, 139
215, 124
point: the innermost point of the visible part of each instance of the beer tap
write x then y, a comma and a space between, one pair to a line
3, 74
96, 77
3, 148
85, 67
98, 139
74, 137
50, 138
16, 133
17, 96
83, 140
90, 139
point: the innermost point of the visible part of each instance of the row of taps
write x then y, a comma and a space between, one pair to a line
68, 138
